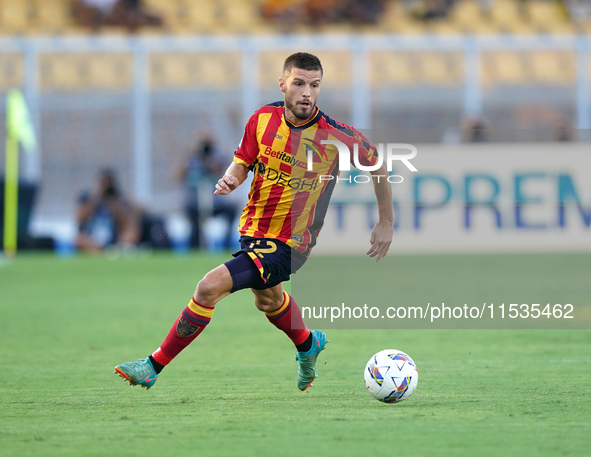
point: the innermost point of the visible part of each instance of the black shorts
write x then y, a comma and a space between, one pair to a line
262, 263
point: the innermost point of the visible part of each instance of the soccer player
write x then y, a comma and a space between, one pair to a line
281, 221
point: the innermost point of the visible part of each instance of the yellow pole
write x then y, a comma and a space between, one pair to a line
18, 129
10, 190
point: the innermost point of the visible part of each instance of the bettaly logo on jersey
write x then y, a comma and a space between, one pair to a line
284, 157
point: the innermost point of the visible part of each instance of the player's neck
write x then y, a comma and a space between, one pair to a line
296, 120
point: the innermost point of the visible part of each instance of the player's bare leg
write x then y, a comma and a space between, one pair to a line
269, 300
283, 312
214, 286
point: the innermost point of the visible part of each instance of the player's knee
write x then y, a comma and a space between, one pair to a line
208, 288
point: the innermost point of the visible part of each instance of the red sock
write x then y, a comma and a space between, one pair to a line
186, 328
288, 319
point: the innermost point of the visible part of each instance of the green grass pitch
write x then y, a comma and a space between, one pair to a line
65, 323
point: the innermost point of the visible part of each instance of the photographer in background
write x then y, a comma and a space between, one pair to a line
198, 174
105, 218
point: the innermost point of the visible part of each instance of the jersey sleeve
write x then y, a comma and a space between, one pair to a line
248, 149
368, 155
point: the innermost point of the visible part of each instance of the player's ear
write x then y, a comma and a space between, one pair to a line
282, 85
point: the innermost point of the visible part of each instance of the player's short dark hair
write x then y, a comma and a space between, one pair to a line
302, 60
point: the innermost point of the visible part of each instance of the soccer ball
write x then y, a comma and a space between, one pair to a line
391, 376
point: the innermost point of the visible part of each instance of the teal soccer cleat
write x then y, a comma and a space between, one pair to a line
307, 360
138, 373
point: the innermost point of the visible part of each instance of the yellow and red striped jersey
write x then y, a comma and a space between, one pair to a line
287, 201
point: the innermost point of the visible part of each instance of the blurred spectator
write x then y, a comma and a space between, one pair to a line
199, 173
562, 131
475, 129
434, 9
283, 12
106, 218
578, 10
472, 129
92, 14
485, 7
545, 123
364, 11
322, 12
410, 6
523, 9
131, 14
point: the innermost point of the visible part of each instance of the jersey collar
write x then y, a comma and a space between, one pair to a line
305, 125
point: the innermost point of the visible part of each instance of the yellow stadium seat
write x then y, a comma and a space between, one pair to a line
503, 67
61, 71
269, 67
200, 16
85, 71
53, 15
544, 12
194, 70
408, 26
548, 17
439, 68
553, 67
441, 27
221, 70
169, 71
508, 19
465, 13
505, 10
466, 17
391, 68
396, 19
109, 71
239, 17
15, 16
336, 66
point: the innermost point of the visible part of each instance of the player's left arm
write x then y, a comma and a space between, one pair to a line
382, 233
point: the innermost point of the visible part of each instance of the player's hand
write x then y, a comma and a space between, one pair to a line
381, 238
226, 184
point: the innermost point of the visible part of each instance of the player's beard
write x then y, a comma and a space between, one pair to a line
301, 113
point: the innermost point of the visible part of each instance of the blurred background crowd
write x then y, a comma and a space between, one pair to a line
104, 106
265, 16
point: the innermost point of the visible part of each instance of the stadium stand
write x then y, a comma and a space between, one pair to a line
77, 71
182, 71
83, 71
231, 17
184, 17
71, 72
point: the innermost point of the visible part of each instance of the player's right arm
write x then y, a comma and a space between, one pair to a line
234, 176
244, 160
